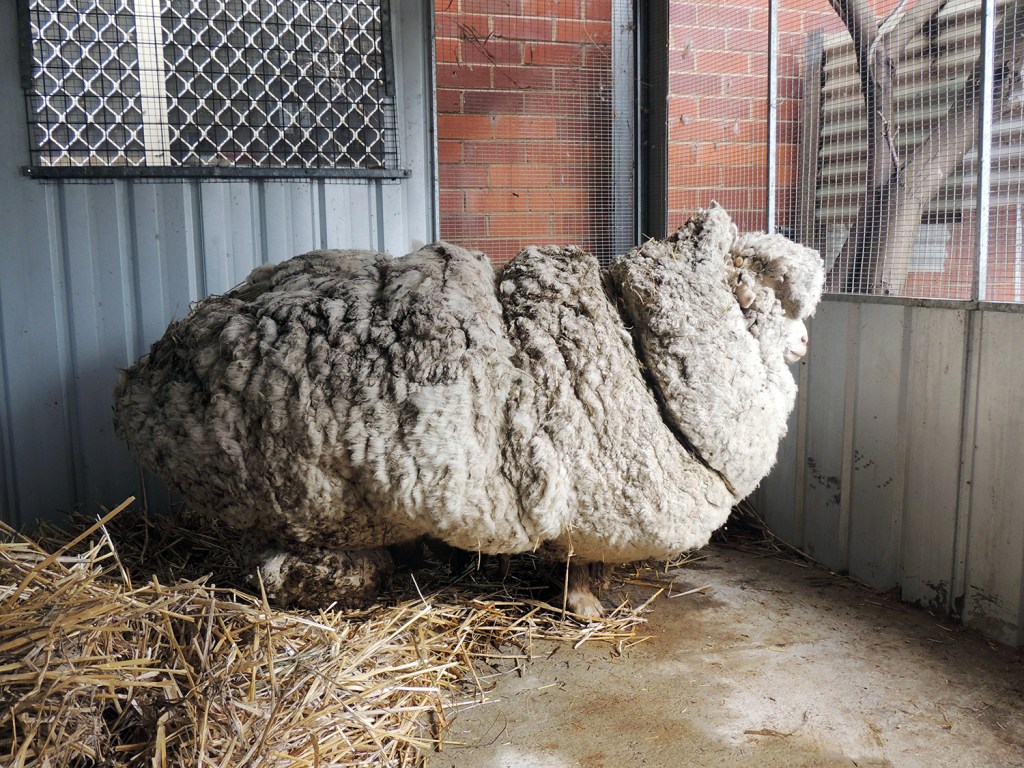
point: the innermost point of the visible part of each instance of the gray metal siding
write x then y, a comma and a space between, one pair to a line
905, 466
92, 273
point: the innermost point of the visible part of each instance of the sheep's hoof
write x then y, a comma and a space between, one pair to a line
578, 597
584, 604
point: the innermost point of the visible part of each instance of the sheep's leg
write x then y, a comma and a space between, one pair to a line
316, 578
504, 566
578, 597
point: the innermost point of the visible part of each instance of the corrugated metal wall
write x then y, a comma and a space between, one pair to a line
92, 274
904, 466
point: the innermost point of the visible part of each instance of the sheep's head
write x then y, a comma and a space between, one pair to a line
771, 275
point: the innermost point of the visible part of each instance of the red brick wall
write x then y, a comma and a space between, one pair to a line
718, 105
717, 108
523, 90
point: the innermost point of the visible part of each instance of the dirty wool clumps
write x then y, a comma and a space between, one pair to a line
345, 401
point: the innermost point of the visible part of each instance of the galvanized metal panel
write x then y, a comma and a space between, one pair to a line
877, 457
776, 497
349, 218
93, 272
995, 568
832, 361
165, 255
291, 213
94, 220
228, 213
935, 393
33, 320
891, 389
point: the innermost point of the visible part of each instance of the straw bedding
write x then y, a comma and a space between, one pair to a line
127, 656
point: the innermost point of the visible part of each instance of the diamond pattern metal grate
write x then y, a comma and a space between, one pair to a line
258, 84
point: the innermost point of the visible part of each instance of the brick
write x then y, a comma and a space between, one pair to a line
758, 64
695, 84
527, 30
598, 58
493, 102
565, 9
492, 51
718, 15
791, 21
521, 127
682, 13
751, 218
703, 39
725, 62
749, 86
558, 200
517, 176
788, 131
447, 51
696, 176
593, 32
464, 126
683, 203
787, 155
451, 201
445, 23
724, 108
526, 226
681, 154
598, 10
752, 178
539, 78
449, 151
791, 88
579, 81
717, 131
462, 176
462, 76
449, 101
544, 103
497, 200
553, 55
472, 26
681, 106
747, 39
560, 153
681, 60
461, 227
576, 229
492, 151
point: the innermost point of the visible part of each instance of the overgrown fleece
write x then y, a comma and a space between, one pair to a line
343, 401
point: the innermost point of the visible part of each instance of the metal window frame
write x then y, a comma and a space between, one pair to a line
159, 150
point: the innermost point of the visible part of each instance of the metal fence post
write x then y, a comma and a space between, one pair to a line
773, 97
980, 287
624, 126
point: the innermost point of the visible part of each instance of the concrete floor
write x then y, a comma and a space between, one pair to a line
775, 664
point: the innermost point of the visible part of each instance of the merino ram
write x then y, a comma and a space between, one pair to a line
342, 402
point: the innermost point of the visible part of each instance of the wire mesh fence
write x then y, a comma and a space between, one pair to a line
875, 163
533, 148
222, 83
880, 128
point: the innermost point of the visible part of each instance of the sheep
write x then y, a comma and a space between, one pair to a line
342, 403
